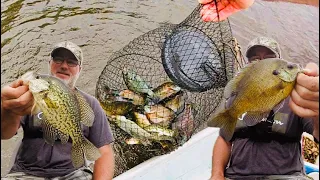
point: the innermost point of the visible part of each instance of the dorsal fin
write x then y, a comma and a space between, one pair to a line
231, 87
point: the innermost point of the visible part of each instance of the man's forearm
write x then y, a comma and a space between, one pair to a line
104, 166
10, 124
220, 156
307, 2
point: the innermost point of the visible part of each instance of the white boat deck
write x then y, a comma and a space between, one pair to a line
192, 161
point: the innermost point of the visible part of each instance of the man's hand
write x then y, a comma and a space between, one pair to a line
16, 98
225, 8
304, 100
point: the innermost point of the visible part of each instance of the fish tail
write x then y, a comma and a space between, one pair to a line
225, 122
77, 155
83, 149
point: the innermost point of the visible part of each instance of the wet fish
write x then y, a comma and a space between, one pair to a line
117, 107
133, 141
154, 128
134, 97
165, 90
141, 119
255, 91
63, 110
158, 114
176, 104
135, 83
185, 122
136, 131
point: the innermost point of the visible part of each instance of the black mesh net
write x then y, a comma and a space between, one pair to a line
161, 88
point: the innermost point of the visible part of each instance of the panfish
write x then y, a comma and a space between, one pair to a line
136, 131
255, 91
185, 122
134, 97
158, 114
117, 107
176, 104
165, 90
63, 110
135, 83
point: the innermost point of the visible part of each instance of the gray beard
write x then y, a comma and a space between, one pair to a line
71, 82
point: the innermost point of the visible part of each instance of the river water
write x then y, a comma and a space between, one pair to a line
29, 29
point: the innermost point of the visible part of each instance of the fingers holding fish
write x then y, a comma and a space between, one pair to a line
62, 110
305, 95
17, 97
262, 95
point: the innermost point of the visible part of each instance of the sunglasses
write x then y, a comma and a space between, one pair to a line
70, 62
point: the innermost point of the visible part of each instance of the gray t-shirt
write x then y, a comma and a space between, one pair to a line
38, 158
256, 156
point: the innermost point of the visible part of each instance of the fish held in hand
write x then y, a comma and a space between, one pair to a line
255, 91
63, 110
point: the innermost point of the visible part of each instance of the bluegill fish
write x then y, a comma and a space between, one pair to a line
117, 107
64, 110
134, 97
159, 114
176, 104
141, 119
165, 90
135, 83
258, 88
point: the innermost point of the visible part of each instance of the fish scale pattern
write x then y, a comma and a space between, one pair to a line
196, 56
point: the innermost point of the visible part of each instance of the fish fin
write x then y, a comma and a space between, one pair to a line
91, 152
252, 118
35, 109
226, 123
231, 87
77, 155
277, 107
145, 142
86, 112
49, 133
228, 130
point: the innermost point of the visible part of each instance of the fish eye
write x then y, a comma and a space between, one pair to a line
290, 66
37, 77
275, 72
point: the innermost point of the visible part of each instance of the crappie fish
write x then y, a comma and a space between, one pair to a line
165, 90
136, 131
154, 128
64, 110
255, 91
135, 83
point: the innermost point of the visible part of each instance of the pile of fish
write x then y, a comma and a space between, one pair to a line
310, 149
149, 114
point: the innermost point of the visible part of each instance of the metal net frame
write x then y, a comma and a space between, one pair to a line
150, 57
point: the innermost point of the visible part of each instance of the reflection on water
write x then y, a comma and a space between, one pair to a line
29, 28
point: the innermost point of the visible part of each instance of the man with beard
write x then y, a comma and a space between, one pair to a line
35, 158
